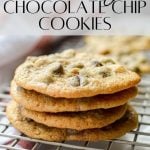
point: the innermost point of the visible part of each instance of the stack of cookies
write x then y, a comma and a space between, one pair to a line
73, 96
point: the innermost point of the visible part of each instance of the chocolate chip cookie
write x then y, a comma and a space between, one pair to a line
77, 120
35, 130
43, 103
73, 75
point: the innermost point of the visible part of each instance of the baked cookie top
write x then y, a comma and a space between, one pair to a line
43, 103
72, 75
77, 120
35, 130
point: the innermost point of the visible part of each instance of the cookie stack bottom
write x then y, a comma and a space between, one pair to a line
84, 119
40, 131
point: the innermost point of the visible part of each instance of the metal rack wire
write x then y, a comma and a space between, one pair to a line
135, 140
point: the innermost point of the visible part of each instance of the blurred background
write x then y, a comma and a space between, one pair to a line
131, 51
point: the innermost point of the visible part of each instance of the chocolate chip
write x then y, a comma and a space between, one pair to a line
142, 60
29, 66
106, 52
136, 69
104, 72
56, 68
107, 62
96, 63
28, 120
74, 81
78, 65
46, 79
78, 81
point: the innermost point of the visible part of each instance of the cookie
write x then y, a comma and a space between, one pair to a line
77, 120
73, 75
42, 103
125, 49
137, 62
109, 44
39, 131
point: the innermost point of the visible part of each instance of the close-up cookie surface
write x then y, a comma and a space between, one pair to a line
39, 131
43, 103
77, 120
72, 75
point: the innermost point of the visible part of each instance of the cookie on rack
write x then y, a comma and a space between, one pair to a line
73, 75
77, 120
43, 103
35, 130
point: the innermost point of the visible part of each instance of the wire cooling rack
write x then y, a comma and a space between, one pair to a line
138, 139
